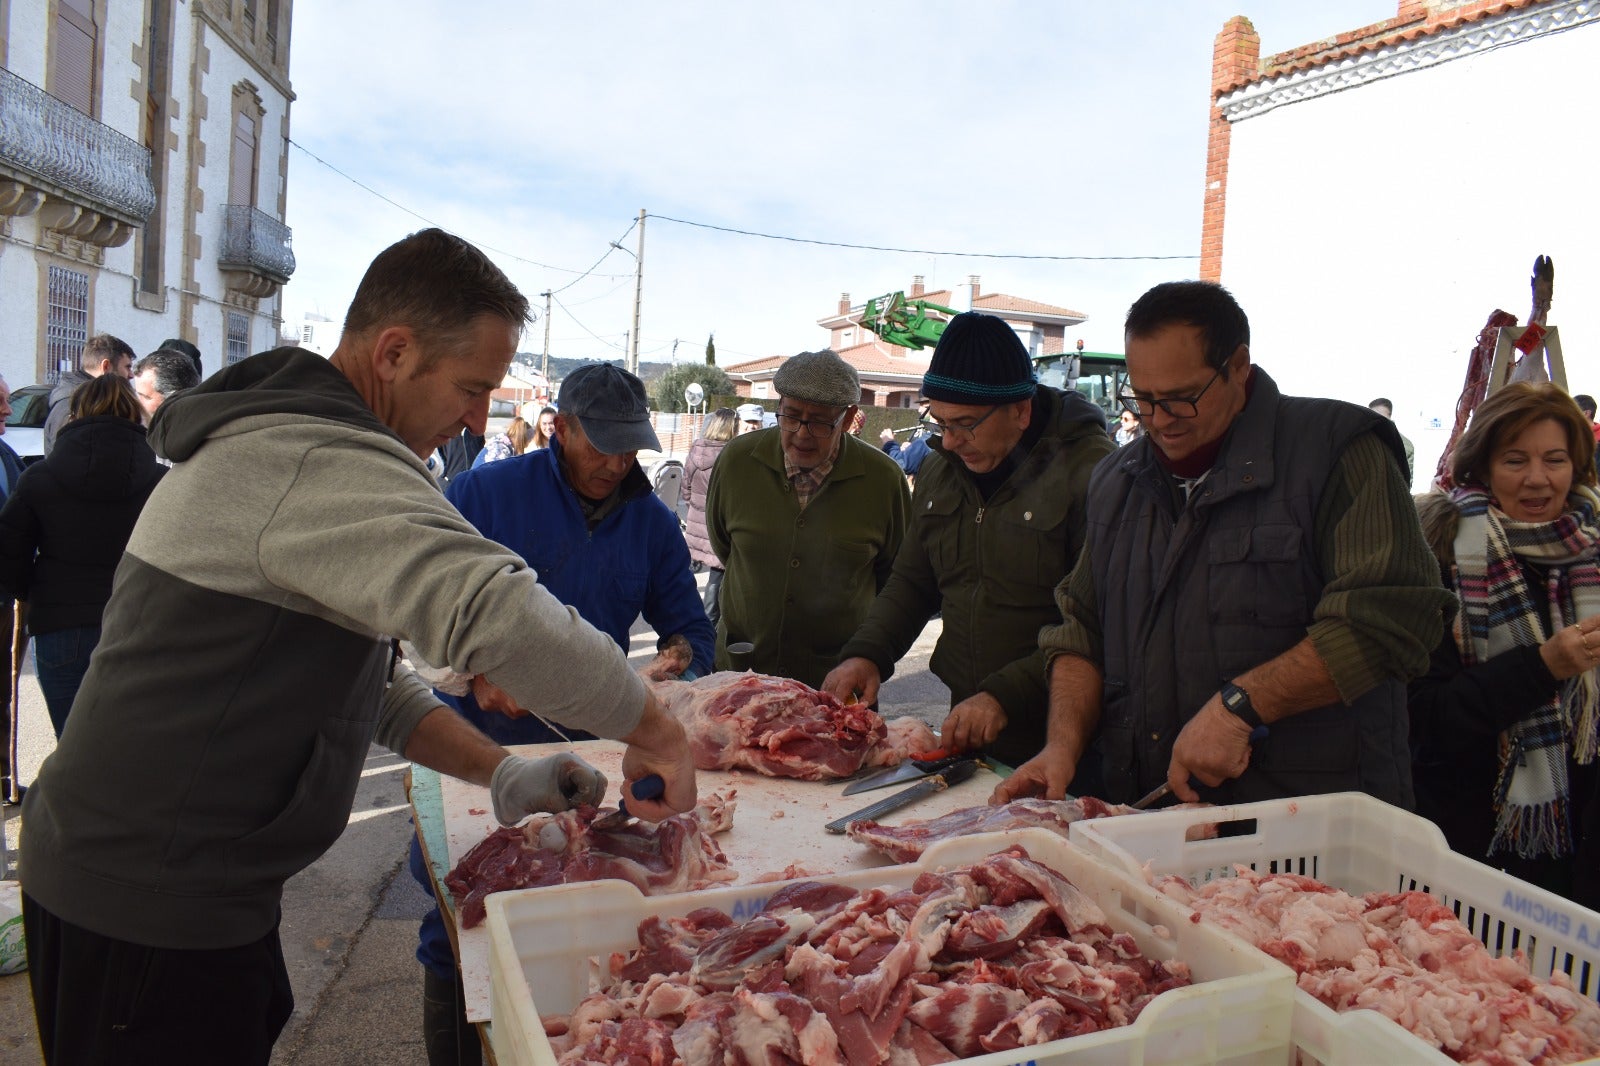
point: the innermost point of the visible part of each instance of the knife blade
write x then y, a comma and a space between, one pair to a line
956, 774
913, 769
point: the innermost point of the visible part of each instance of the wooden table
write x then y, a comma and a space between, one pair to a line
777, 822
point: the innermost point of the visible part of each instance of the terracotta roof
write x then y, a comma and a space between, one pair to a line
999, 301
756, 366
876, 357
1371, 38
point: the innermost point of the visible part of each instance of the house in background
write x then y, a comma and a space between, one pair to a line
891, 376
1373, 197
143, 176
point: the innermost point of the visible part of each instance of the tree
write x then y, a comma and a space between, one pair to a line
711, 349
669, 387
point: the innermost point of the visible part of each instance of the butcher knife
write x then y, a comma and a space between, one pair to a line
915, 768
650, 786
957, 773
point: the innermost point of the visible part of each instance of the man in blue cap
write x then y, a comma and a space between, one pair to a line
997, 521
583, 515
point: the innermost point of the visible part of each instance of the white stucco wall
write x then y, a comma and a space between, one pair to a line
1369, 233
113, 283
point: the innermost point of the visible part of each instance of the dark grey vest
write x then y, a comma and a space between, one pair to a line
1192, 596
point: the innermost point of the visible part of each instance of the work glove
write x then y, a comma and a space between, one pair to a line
520, 787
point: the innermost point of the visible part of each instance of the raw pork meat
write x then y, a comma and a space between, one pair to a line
674, 855
781, 728
1408, 957
905, 843
999, 955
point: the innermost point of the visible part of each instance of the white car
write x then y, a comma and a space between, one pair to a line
25, 428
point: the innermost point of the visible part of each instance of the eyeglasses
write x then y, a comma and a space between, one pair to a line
1177, 407
811, 427
956, 430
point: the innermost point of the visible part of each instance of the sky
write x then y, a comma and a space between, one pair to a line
540, 130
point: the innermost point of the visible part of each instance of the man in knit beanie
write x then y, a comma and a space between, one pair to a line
997, 522
807, 520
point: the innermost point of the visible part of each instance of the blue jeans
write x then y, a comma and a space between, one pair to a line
61, 658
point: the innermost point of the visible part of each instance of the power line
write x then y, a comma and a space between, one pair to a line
431, 222
918, 251
597, 262
585, 328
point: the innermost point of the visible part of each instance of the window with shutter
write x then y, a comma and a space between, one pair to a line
242, 176
72, 75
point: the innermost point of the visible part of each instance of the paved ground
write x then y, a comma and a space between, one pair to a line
350, 921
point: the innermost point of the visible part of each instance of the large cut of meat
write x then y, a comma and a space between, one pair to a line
904, 843
999, 955
782, 728
1408, 957
674, 855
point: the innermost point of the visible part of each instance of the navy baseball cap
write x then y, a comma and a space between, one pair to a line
611, 406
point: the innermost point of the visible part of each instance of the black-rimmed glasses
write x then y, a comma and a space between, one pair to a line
956, 429
1176, 407
811, 427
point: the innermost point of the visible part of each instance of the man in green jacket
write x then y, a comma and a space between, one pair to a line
998, 522
807, 520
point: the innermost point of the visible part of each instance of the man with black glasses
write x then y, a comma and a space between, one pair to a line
807, 520
997, 521
1254, 560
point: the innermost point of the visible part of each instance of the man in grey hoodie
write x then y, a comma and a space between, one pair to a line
102, 354
248, 662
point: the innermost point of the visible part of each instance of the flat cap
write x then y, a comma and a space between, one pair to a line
818, 377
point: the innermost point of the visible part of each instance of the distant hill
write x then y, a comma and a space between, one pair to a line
561, 367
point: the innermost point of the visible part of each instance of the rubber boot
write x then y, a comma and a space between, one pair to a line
449, 1038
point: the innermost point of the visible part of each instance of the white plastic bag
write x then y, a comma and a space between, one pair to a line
13, 954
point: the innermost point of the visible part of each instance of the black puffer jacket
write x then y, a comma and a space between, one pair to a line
63, 531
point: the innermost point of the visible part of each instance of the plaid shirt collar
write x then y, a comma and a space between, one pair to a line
807, 483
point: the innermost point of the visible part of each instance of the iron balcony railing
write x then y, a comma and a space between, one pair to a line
71, 154
255, 241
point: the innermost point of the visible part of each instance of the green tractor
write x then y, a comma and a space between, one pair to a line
1099, 376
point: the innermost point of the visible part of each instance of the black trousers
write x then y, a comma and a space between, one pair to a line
105, 1002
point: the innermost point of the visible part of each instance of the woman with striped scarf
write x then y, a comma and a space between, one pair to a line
1503, 726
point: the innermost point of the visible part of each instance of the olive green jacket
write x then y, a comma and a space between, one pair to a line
992, 568
799, 583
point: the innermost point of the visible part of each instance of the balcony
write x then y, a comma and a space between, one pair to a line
85, 180
256, 257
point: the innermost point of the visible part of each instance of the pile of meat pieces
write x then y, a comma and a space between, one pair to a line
674, 855
1002, 954
1408, 957
905, 843
782, 728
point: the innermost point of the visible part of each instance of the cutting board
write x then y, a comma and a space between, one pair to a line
777, 822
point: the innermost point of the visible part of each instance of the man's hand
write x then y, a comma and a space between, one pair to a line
1214, 746
521, 787
1047, 774
658, 745
493, 698
672, 659
853, 679
886, 436
972, 723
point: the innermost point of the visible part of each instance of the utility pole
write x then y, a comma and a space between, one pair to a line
638, 286
546, 370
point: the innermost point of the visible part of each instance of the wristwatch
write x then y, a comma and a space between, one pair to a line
1237, 701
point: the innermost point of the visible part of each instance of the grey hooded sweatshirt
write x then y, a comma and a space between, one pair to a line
216, 743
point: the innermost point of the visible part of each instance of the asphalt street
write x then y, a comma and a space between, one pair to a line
350, 920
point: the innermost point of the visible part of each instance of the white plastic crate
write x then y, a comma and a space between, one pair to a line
1359, 844
1236, 1012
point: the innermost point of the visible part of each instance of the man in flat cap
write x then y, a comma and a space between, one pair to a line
807, 519
997, 521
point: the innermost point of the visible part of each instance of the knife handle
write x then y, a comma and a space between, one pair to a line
648, 787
